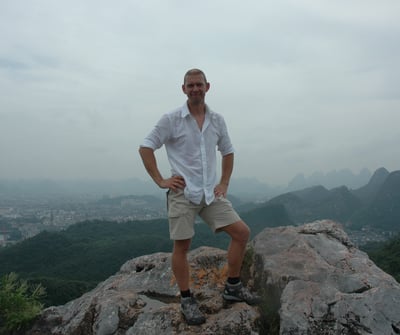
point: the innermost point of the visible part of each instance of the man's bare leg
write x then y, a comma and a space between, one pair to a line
180, 264
180, 267
239, 233
234, 289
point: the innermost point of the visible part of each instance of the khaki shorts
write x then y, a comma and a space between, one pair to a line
182, 214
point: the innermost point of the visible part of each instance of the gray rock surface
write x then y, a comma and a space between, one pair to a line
325, 285
312, 279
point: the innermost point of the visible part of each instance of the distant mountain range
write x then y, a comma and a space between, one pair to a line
382, 208
332, 179
376, 205
247, 189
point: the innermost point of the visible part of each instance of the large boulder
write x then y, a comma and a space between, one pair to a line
313, 280
324, 284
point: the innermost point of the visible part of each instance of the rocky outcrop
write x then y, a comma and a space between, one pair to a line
312, 279
325, 285
142, 299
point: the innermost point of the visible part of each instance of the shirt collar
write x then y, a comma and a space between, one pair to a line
185, 110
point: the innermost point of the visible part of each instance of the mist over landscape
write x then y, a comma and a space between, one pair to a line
308, 90
247, 187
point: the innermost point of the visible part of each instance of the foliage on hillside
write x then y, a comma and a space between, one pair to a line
268, 215
316, 203
85, 251
69, 263
19, 303
386, 255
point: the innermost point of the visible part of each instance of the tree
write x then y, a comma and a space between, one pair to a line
19, 303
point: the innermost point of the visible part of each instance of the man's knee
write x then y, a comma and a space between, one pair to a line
244, 231
239, 231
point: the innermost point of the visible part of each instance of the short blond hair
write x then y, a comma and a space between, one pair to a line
193, 72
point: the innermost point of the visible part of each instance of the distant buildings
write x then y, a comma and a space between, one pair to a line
26, 217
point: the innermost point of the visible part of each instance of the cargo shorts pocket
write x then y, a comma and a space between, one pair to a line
181, 216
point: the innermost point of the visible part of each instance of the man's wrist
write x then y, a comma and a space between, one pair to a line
158, 181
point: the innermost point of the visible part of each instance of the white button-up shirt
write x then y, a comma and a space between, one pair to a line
191, 151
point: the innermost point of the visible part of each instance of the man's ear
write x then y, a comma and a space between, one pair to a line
207, 86
183, 88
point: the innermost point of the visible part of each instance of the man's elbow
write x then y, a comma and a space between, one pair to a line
144, 150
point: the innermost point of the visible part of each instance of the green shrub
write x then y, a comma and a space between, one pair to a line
19, 303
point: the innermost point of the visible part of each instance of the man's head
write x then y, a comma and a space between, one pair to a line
195, 86
193, 72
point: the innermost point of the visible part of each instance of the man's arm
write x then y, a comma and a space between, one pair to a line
227, 167
150, 163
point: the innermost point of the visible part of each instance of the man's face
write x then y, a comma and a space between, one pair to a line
195, 88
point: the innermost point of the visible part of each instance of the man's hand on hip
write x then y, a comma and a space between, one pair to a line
221, 190
174, 183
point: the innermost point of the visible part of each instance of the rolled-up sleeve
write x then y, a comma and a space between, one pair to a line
158, 135
224, 143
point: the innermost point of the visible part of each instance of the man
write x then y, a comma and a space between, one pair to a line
191, 134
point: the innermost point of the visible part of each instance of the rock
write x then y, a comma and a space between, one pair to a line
325, 284
312, 279
142, 299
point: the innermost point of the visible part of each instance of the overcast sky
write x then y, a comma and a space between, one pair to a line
304, 85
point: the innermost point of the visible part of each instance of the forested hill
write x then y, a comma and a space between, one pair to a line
386, 255
383, 211
98, 248
72, 261
375, 205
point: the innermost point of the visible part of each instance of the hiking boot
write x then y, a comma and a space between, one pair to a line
191, 312
238, 293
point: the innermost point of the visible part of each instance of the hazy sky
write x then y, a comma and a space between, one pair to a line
304, 85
